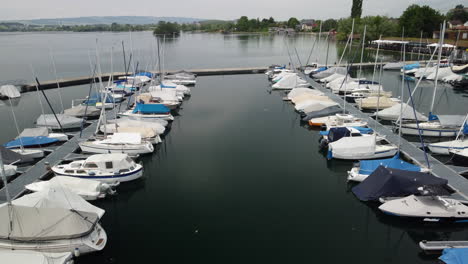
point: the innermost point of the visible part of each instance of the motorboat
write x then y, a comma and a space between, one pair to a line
129, 143
148, 112
336, 133
64, 121
343, 120
108, 168
364, 168
317, 106
34, 257
360, 148
385, 182
88, 189
427, 208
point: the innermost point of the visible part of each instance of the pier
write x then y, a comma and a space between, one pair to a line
408, 149
51, 84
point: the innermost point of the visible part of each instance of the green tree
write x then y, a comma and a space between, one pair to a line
329, 24
420, 18
458, 13
293, 22
166, 28
243, 24
356, 9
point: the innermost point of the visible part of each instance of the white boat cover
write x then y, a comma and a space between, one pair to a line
393, 66
443, 72
166, 95
49, 120
82, 187
34, 257
453, 78
123, 138
364, 145
10, 91
424, 72
333, 77
290, 82
42, 224
145, 132
393, 113
451, 120
299, 91
58, 197
318, 106
304, 104
160, 121
330, 71
371, 102
79, 111
306, 97
158, 127
34, 132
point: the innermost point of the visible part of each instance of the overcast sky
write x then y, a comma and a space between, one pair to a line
212, 9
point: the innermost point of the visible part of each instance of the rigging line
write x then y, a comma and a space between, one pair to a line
52, 58
378, 92
38, 96
376, 58
89, 96
417, 125
311, 51
51, 108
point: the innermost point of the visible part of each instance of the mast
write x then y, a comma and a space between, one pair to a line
362, 51
402, 93
378, 91
420, 42
441, 42
328, 48
56, 78
376, 58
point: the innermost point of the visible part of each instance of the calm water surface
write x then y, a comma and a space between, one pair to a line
237, 179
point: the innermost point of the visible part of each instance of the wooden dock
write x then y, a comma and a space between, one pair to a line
409, 150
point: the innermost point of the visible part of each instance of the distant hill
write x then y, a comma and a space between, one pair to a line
107, 20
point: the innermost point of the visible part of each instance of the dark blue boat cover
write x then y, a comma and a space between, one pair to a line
369, 166
387, 182
455, 256
30, 142
336, 133
151, 109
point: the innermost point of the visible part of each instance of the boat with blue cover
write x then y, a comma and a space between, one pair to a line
366, 167
148, 111
31, 142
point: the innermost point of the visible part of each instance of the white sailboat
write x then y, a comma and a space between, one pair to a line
360, 148
129, 143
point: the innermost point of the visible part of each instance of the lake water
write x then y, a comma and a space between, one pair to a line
237, 179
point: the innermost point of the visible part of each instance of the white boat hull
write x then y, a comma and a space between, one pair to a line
30, 153
130, 149
95, 241
147, 117
109, 178
380, 152
411, 129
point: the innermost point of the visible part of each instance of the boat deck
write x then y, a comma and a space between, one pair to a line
409, 150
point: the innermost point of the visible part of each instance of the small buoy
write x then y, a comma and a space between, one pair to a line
76, 252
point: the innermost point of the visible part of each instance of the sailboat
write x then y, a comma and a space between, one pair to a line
457, 145
50, 229
360, 148
438, 125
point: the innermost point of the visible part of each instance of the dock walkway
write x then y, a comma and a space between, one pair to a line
409, 150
